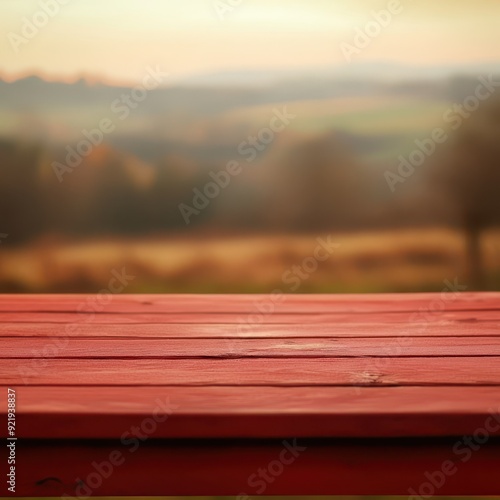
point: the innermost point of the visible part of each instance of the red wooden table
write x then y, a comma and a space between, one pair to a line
248, 395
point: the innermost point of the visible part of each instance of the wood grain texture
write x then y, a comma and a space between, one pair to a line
368, 318
248, 303
257, 412
380, 388
471, 327
259, 371
397, 347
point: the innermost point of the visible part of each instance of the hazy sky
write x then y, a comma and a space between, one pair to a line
117, 39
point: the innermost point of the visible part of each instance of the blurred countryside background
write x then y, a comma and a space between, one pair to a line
205, 146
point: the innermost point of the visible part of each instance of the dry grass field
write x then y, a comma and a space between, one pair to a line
392, 261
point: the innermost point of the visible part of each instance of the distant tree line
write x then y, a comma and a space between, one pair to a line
314, 185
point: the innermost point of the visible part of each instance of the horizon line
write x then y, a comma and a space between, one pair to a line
99, 80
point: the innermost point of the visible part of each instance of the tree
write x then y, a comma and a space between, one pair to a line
471, 173
320, 185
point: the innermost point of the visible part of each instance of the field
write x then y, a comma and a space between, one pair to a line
401, 119
392, 261
364, 115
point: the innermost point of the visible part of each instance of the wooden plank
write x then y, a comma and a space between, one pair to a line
249, 303
254, 371
440, 328
230, 468
237, 318
354, 377
96, 348
256, 412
